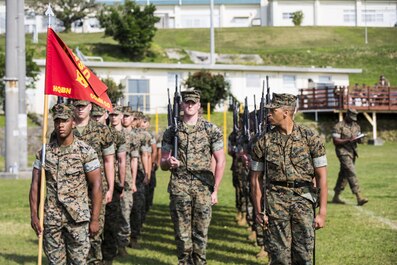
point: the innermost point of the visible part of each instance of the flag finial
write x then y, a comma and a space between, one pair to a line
49, 11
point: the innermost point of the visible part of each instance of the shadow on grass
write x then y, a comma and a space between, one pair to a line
109, 50
225, 237
21, 259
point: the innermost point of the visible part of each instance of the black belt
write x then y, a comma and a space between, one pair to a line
292, 184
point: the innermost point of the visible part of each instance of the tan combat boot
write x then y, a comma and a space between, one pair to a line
360, 199
238, 216
243, 220
262, 253
336, 199
252, 236
123, 252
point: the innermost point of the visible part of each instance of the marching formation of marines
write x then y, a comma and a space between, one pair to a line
101, 173
98, 169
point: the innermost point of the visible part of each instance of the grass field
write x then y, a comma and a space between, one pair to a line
353, 235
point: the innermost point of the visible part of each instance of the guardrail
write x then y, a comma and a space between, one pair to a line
342, 98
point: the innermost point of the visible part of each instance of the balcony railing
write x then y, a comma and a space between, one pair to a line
341, 98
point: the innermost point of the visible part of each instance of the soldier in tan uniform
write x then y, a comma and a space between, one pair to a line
344, 135
291, 156
193, 187
72, 167
113, 209
98, 136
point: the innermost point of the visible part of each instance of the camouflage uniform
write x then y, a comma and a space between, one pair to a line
291, 161
127, 200
190, 187
152, 184
113, 209
67, 212
97, 136
347, 154
232, 146
138, 208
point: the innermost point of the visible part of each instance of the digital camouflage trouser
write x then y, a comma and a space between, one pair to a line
191, 214
112, 227
289, 238
138, 208
125, 228
347, 174
95, 254
67, 242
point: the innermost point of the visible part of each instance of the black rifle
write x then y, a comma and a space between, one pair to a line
175, 116
256, 124
169, 109
235, 118
246, 121
262, 109
60, 100
267, 128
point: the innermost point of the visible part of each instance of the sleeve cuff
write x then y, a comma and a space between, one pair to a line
256, 166
320, 161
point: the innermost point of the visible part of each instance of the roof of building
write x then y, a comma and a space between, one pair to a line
185, 2
216, 67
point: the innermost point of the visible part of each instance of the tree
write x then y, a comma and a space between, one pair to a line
115, 92
297, 18
32, 71
214, 88
132, 27
67, 11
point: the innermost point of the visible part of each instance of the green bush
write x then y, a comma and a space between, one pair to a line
297, 18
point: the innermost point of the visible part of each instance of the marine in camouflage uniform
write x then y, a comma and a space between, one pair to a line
193, 187
344, 136
130, 180
294, 156
149, 193
138, 208
237, 183
98, 136
113, 209
71, 167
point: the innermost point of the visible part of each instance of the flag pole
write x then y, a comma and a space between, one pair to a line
48, 13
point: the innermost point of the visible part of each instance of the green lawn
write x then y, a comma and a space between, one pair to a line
353, 235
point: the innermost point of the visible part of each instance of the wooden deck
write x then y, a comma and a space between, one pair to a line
365, 99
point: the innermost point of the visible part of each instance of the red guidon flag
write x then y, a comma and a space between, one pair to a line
67, 76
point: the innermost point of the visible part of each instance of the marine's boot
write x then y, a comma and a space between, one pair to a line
360, 199
238, 216
123, 252
243, 220
336, 199
262, 253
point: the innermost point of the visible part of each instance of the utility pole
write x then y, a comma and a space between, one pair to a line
22, 117
212, 35
11, 89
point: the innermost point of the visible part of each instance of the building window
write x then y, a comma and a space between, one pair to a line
372, 16
240, 20
171, 79
349, 15
288, 15
253, 80
138, 94
289, 81
325, 79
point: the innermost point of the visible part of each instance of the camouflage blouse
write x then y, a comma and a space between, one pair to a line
195, 148
67, 186
292, 159
344, 130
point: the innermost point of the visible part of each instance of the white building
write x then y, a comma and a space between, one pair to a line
246, 13
146, 83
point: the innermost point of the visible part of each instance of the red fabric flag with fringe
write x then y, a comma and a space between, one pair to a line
67, 76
